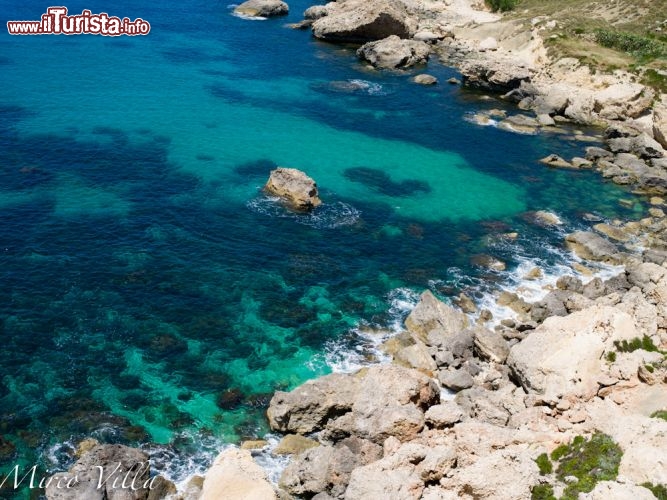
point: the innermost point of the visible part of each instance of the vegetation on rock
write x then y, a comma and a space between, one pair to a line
502, 5
659, 491
587, 460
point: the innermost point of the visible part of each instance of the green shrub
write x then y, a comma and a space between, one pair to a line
542, 492
644, 343
589, 461
611, 356
654, 79
658, 490
660, 414
502, 5
639, 46
544, 464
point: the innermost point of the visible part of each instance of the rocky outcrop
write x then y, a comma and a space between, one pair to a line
360, 21
235, 476
564, 357
496, 74
328, 468
373, 404
105, 472
591, 246
660, 123
262, 8
435, 323
394, 53
295, 187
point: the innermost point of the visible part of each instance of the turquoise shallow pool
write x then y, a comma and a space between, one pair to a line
151, 294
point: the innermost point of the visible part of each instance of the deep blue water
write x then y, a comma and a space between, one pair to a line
151, 294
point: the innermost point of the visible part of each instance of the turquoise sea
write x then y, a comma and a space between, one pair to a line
151, 295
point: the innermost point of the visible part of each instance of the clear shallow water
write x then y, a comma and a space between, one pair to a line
152, 295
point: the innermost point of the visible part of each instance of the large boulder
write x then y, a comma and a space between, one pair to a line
623, 100
402, 474
106, 472
495, 74
434, 322
509, 473
236, 476
295, 187
394, 52
308, 407
360, 21
564, 357
262, 8
591, 246
374, 404
328, 468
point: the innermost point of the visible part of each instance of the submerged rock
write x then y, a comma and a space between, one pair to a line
425, 79
294, 186
262, 8
554, 160
393, 53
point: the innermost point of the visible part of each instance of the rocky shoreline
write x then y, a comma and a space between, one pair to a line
467, 410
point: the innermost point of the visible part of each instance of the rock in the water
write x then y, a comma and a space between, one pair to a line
235, 476
564, 357
315, 12
544, 218
554, 160
294, 186
394, 52
262, 8
117, 462
488, 262
425, 79
434, 322
495, 75
591, 246
361, 22
520, 124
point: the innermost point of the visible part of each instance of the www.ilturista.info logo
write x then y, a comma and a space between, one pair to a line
56, 22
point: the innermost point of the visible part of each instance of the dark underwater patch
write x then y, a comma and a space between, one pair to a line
380, 181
